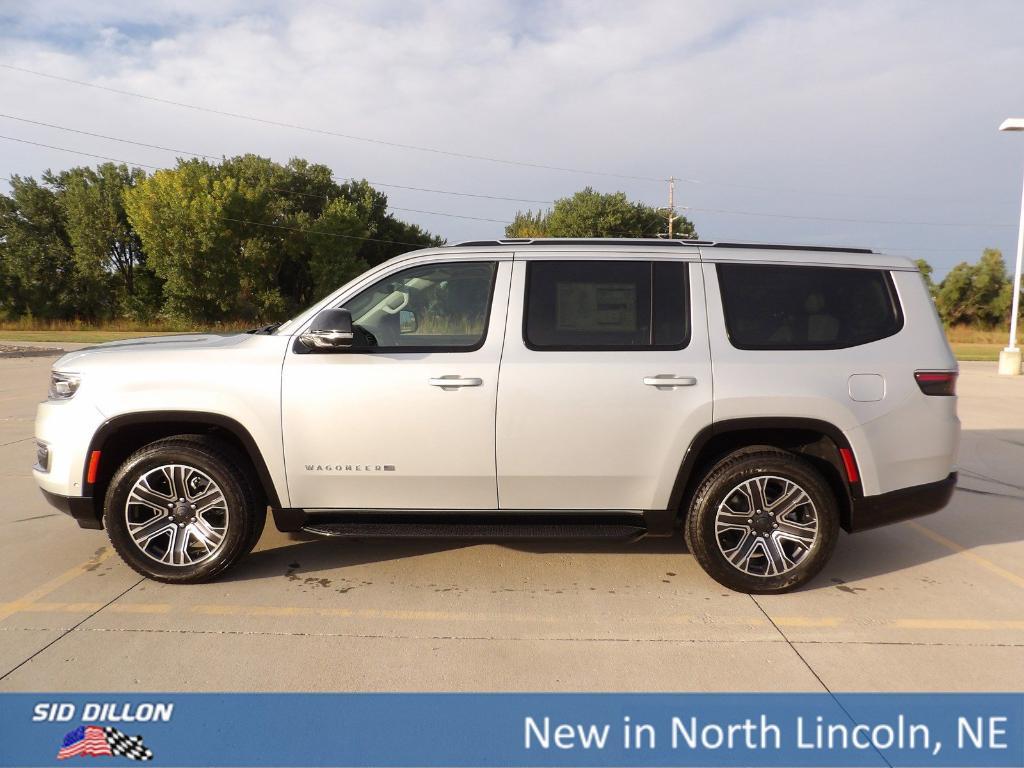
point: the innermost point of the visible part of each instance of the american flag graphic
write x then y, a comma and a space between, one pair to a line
97, 741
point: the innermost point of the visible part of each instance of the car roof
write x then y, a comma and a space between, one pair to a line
704, 250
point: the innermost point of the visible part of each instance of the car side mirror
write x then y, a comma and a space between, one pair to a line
330, 331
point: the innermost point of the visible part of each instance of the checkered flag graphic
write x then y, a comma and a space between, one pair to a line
127, 746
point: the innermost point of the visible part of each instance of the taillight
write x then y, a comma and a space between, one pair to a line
937, 382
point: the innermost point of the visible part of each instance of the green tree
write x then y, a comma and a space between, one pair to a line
40, 278
926, 274
108, 253
241, 239
184, 219
387, 236
589, 213
335, 243
976, 294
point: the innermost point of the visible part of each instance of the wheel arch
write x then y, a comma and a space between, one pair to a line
120, 436
815, 440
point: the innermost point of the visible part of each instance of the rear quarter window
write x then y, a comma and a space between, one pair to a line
796, 307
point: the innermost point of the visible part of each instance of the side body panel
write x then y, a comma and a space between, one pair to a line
369, 431
581, 430
903, 438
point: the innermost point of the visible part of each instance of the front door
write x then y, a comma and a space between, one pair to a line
605, 380
406, 419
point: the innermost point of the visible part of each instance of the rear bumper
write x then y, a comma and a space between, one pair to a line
873, 511
79, 507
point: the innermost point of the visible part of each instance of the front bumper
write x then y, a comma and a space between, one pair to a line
79, 507
873, 511
66, 427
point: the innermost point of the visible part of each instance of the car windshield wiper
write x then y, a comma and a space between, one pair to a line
266, 329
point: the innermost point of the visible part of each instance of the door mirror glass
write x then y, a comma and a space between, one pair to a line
331, 330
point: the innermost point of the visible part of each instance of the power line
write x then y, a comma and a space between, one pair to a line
963, 251
78, 152
109, 138
318, 232
842, 220
728, 211
297, 229
462, 194
453, 215
133, 142
450, 153
336, 134
275, 189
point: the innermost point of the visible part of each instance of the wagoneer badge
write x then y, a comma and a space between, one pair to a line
350, 467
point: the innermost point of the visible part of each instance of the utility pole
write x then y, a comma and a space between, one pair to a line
671, 204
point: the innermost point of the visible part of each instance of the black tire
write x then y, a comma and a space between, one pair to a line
239, 463
773, 467
243, 511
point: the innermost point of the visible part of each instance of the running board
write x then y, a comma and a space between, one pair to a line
483, 525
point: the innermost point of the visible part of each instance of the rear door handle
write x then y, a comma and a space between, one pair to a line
668, 381
455, 381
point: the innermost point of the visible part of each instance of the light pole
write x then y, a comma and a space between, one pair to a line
1009, 358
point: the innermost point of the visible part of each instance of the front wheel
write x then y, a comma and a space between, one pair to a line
763, 521
182, 510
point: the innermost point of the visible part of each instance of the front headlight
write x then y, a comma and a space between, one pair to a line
63, 385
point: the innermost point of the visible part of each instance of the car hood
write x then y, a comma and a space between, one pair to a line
191, 342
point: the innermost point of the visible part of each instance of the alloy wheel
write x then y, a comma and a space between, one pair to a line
176, 515
766, 525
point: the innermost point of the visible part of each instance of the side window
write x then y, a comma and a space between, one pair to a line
795, 307
606, 305
431, 307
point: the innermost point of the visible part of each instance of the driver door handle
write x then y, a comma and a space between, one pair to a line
668, 380
454, 381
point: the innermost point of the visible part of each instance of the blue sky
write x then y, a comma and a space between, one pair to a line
863, 123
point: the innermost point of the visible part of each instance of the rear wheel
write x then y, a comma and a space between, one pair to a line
183, 509
763, 521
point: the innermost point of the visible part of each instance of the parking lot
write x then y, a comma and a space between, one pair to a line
931, 604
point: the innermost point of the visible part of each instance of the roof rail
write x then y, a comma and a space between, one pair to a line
645, 242
580, 241
784, 247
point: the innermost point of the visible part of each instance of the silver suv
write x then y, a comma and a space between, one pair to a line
758, 397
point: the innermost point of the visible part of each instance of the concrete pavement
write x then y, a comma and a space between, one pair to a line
932, 604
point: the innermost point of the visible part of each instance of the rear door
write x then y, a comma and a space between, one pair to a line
605, 379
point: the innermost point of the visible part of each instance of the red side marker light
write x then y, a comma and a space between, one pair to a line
94, 467
850, 464
941, 383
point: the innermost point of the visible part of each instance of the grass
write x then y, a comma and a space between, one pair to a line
965, 334
28, 330
77, 337
971, 343
986, 352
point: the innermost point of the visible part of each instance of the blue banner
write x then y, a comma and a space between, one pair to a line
535, 729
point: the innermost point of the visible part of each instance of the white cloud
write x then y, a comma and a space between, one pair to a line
868, 110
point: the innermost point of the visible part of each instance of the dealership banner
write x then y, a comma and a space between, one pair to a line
529, 729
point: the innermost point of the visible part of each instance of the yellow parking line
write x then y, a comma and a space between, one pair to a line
59, 607
140, 608
805, 621
801, 622
952, 546
54, 584
965, 624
